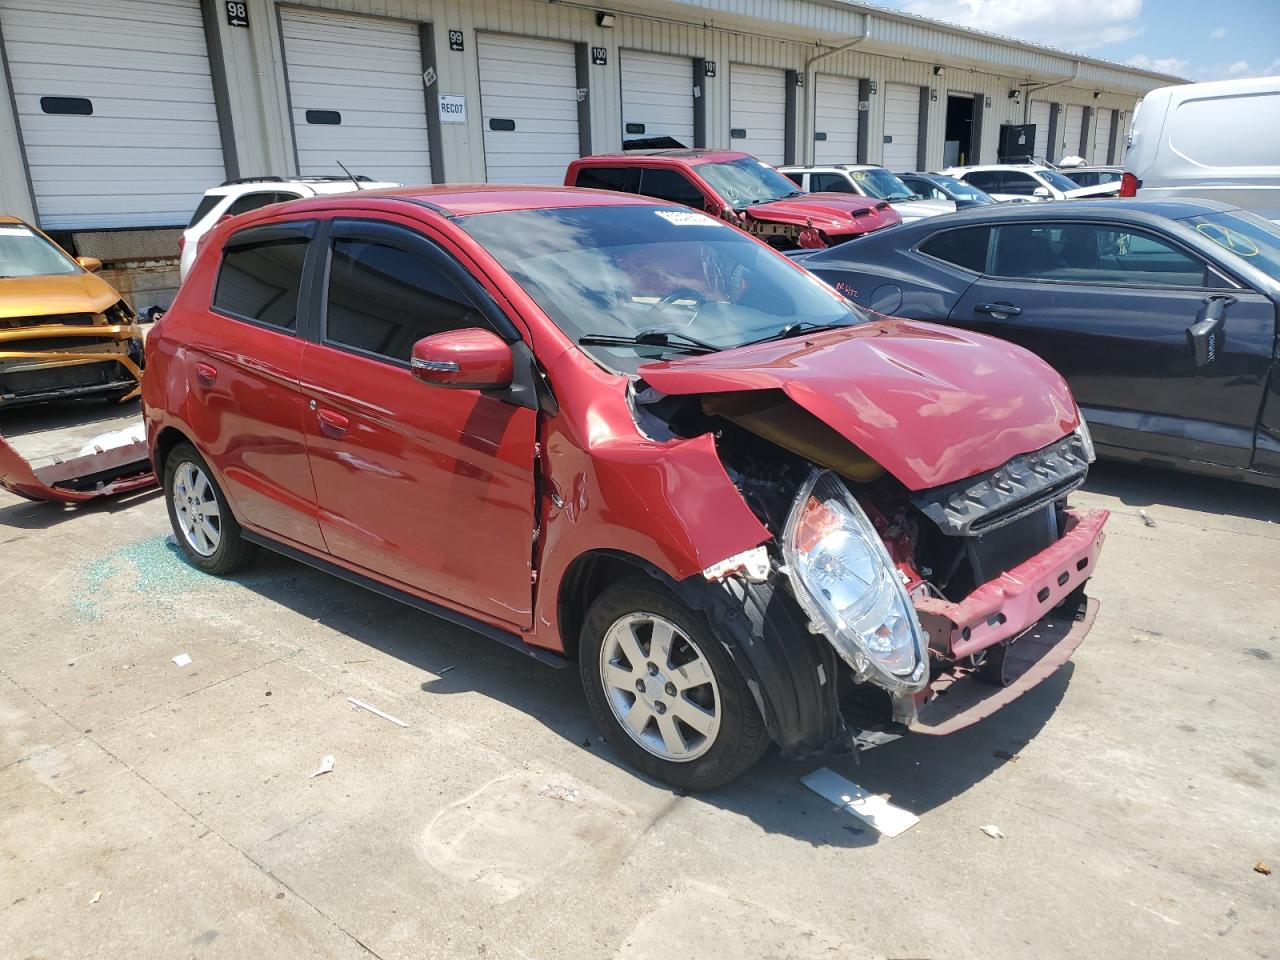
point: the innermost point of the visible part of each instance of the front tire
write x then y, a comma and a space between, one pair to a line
665, 690
203, 524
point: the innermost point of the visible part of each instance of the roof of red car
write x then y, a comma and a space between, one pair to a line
463, 199
676, 157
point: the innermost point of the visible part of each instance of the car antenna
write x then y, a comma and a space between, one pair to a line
349, 174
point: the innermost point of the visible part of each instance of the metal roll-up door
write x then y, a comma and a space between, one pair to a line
835, 124
1101, 136
657, 96
901, 126
529, 107
757, 112
115, 102
355, 95
1040, 117
1071, 131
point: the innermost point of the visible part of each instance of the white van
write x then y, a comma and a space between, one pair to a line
1212, 141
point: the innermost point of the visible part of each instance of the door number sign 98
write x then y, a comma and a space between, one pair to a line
237, 13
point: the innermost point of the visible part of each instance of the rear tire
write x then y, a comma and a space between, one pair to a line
665, 690
206, 531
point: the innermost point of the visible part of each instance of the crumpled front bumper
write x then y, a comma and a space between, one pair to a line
24, 349
1017, 599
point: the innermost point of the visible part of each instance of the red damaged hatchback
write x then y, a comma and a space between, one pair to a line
597, 427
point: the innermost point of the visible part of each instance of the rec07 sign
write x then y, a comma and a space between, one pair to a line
453, 109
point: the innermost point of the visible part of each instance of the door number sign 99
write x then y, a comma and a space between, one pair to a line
237, 13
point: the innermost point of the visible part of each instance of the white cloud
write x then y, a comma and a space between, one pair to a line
1158, 64
1217, 33
1080, 25
1238, 69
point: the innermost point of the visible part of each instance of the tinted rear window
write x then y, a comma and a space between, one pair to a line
962, 248
207, 203
622, 179
261, 282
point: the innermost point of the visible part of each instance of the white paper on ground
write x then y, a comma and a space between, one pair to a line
181, 659
326, 766
873, 809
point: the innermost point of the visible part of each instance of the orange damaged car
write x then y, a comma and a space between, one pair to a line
63, 331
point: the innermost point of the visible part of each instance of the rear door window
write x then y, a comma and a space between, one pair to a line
830, 182
988, 180
669, 185
259, 281
207, 203
965, 248
622, 179
1093, 253
1018, 183
388, 288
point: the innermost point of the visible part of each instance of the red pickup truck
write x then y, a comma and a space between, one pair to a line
743, 190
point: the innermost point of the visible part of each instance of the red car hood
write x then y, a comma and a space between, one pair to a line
930, 404
841, 213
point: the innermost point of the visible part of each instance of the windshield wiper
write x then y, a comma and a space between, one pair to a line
671, 340
795, 329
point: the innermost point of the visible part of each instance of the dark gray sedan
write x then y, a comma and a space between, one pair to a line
1162, 315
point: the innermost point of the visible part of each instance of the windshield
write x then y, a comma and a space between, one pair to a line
1057, 179
882, 184
1250, 237
960, 190
748, 181
622, 271
24, 253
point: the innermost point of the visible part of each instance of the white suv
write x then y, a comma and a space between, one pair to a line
235, 197
867, 180
1027, 181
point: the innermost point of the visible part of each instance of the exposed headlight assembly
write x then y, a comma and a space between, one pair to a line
846, 582
1085, 438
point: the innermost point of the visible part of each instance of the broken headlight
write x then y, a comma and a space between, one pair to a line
847, 584
1085, 438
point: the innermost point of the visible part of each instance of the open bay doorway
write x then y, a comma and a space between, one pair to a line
957, 147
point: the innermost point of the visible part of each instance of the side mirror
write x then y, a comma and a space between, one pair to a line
1205, 336
92, 264
470, 359
1041, 192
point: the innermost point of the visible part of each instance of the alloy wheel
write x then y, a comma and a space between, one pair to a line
198, 514
660, 687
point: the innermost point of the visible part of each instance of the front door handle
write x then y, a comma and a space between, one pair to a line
206, 373
332, 424
998, 310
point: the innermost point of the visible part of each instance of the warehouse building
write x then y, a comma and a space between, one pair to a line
116, 115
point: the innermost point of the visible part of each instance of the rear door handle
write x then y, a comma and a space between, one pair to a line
206, 373
998, 309
332, 424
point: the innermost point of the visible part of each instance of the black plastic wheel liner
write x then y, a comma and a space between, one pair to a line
790, 671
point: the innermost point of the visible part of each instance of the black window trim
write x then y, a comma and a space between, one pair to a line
1109, 284
268, 233
317, 301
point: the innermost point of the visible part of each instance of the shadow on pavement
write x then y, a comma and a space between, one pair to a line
920, 772
1140, 486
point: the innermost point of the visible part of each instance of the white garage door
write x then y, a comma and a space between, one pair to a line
835, 124
657, 96
1040, 117
529, 104
355, 93
116, 108
757, 112
1071, 131
901, 126
1101, 137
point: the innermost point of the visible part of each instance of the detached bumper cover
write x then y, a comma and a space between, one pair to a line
1014, 601
100, 474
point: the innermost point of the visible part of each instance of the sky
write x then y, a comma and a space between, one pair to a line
1194, 39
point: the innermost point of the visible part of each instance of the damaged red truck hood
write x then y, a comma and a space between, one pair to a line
827, 211
930, 404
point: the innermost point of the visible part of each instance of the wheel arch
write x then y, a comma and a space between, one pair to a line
588, 576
